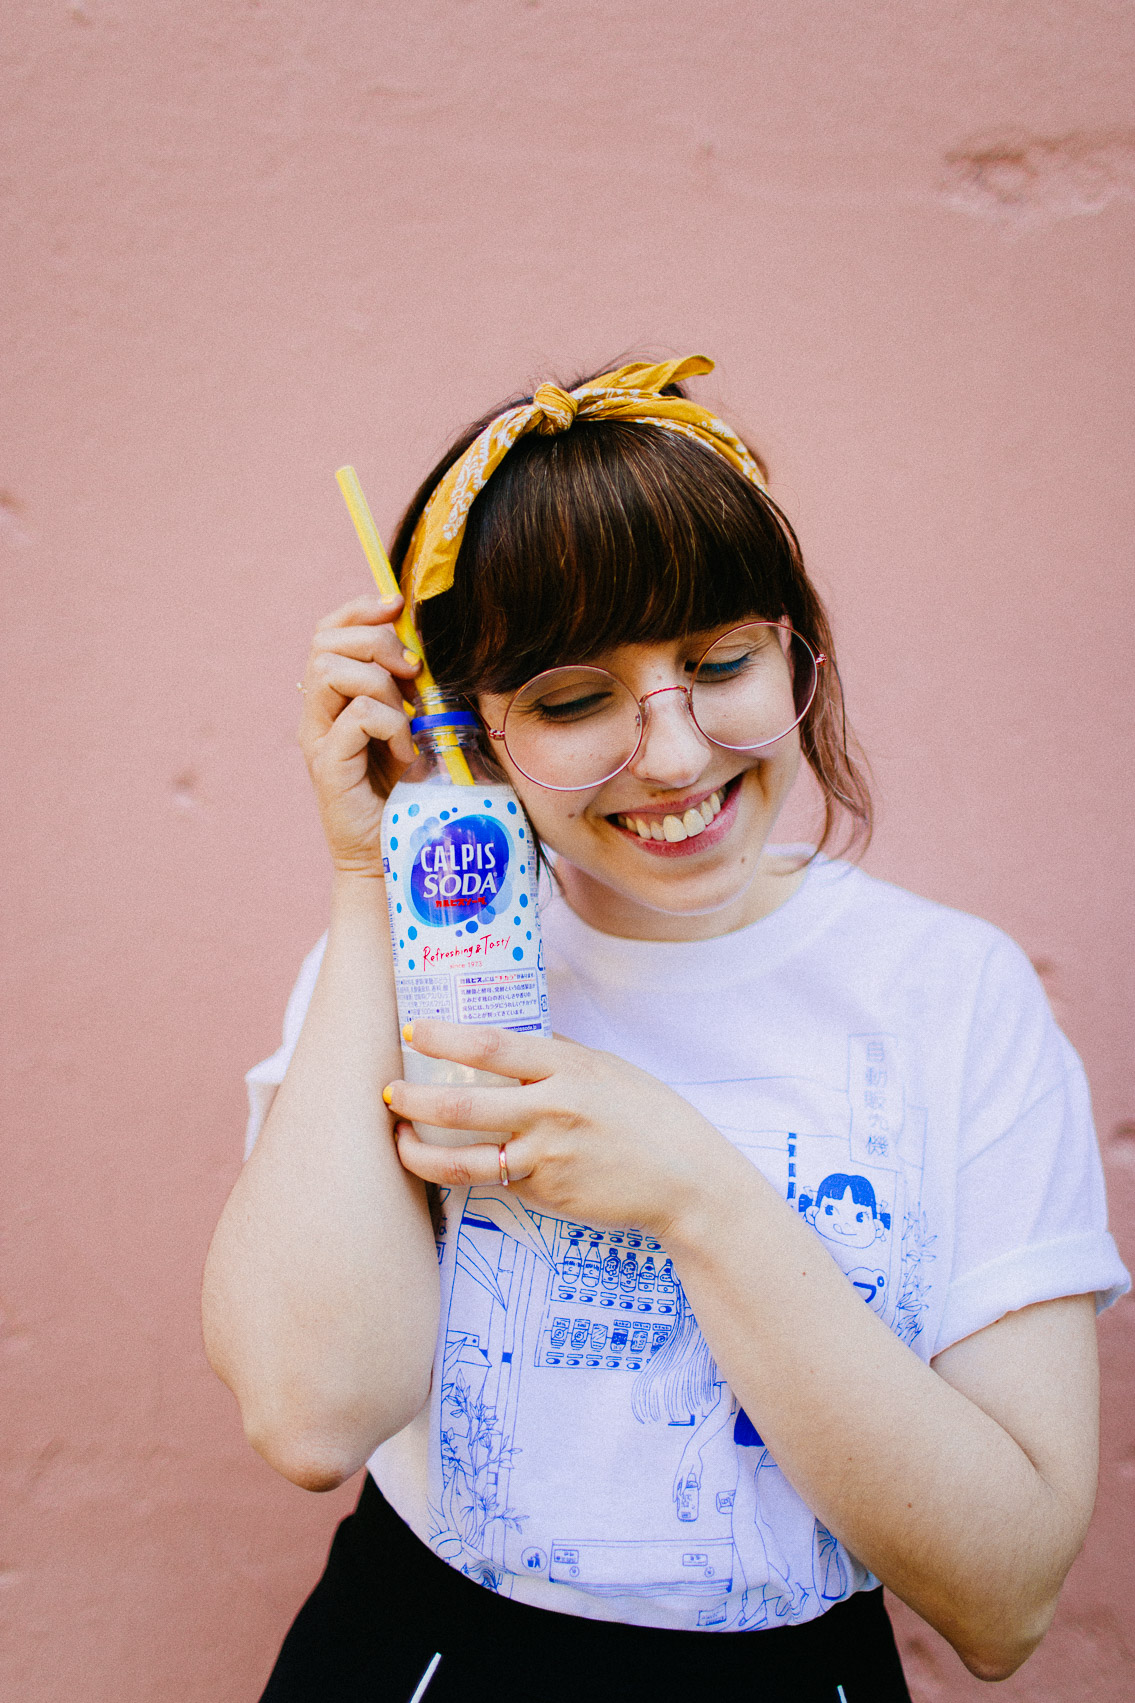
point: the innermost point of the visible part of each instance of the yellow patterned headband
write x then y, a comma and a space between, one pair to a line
631, 393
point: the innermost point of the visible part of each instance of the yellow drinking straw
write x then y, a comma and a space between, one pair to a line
431, 698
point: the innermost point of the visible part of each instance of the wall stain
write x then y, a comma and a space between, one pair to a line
185, 789
1121, 1145
1017, 180
10, 528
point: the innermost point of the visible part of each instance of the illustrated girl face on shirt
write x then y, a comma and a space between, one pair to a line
841, 1218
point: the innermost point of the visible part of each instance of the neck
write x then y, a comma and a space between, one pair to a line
612, 912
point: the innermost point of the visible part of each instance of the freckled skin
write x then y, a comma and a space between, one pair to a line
610, 881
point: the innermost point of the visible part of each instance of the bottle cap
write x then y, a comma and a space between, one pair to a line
445, 718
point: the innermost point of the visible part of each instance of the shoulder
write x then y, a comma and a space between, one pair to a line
891, 922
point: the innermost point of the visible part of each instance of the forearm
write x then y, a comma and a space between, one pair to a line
321, 1286
929, 1491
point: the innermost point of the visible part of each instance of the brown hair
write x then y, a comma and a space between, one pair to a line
611, 533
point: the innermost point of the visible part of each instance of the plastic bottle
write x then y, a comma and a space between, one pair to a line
461, 883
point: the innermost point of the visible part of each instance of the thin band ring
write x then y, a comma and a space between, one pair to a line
300, 687
503, 1163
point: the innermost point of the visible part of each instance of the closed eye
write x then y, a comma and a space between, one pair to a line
709, 672
571, 709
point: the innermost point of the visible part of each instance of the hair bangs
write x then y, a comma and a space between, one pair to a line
612, 533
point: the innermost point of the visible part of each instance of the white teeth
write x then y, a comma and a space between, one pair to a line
674, 828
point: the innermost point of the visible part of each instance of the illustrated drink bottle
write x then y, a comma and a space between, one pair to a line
461, 883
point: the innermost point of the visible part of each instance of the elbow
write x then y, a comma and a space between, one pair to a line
994, 1664
1001, 1650
310, 1460
321, 1452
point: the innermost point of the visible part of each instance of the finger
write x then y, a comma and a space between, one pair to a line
362, 610
458, 1167
332, 681
530, 1058
465, 1106
369, 643
363, 720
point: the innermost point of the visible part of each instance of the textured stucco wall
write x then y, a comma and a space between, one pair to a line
245, 242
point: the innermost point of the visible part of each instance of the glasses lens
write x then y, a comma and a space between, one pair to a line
572, 728
753, 686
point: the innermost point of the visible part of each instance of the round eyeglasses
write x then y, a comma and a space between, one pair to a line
573, 728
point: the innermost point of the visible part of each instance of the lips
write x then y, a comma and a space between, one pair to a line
673, 828
671, 833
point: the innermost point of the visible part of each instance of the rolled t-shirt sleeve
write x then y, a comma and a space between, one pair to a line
1030, 1209
264, 1078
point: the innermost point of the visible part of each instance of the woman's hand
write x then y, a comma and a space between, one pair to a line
353, 691
590, 1137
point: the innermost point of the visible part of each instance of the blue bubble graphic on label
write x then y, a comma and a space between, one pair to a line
411, 931
412, 810
523, 900
458, 871
518, 952
394, 840
511, 808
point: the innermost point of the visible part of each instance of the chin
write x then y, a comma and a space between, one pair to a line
678, 898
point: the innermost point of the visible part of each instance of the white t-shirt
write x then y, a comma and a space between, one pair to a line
893, 1069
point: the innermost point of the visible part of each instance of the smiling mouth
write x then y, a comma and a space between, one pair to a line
673, 827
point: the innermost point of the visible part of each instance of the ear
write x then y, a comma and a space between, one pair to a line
810, 1215
880, 1229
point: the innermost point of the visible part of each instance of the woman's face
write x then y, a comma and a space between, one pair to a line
617, 874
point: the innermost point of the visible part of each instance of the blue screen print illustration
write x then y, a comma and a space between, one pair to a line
585, 1440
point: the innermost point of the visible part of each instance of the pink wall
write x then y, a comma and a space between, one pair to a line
247, 240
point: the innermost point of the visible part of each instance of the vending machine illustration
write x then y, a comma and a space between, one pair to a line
660, 1483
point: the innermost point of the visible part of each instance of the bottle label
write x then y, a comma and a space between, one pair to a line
461, 885
459, 871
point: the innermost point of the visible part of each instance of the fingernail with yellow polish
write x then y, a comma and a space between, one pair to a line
408, 1033
387, 1095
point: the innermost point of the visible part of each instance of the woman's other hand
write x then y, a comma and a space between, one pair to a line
354, 733
590, 1137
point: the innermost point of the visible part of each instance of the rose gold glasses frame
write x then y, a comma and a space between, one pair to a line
818, 661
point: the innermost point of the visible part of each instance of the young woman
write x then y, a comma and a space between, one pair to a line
792, 1287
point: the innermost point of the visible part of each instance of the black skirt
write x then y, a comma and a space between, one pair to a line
386, 1606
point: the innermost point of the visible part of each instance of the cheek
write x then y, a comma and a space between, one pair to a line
554, 816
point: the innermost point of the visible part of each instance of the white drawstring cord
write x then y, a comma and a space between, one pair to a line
425, 1679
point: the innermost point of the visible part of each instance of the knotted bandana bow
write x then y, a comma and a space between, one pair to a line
630, 393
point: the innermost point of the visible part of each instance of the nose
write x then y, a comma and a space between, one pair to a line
673, 751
